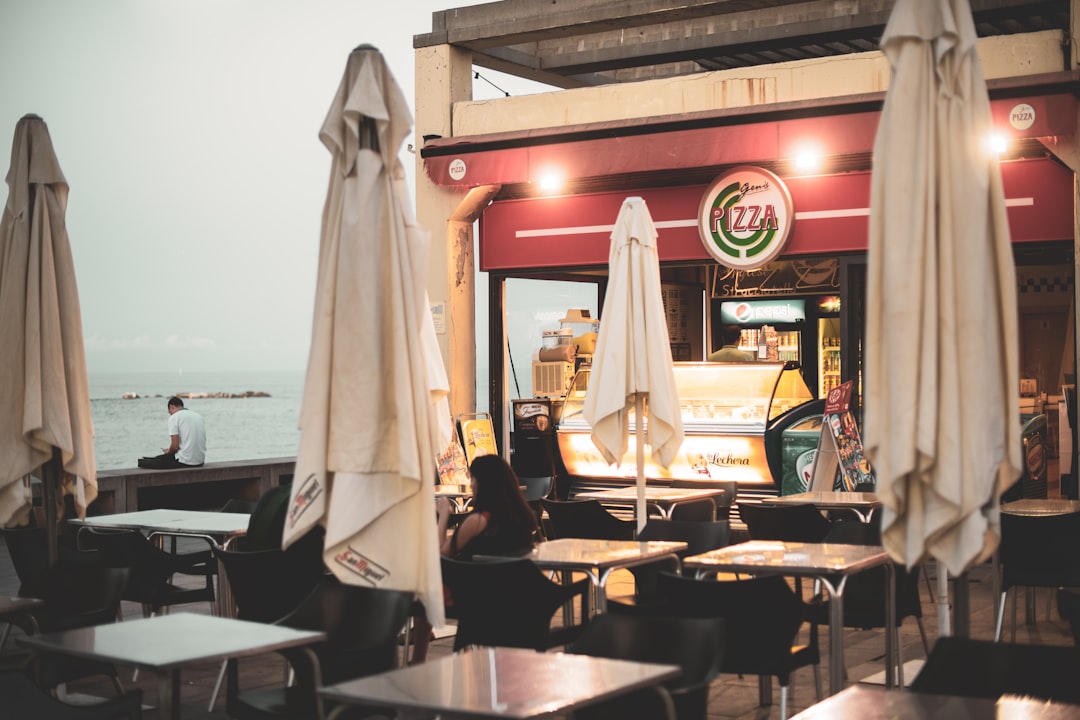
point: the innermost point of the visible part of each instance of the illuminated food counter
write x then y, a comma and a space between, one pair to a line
732, 416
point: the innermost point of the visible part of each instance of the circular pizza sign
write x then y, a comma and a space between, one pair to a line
745, 217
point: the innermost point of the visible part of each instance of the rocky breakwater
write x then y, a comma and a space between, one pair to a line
202, 395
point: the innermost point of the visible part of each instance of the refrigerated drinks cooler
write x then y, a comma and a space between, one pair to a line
733, 415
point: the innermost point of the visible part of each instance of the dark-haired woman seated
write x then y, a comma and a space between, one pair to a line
501, 523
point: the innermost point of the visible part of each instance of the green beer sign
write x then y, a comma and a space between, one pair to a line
745, 217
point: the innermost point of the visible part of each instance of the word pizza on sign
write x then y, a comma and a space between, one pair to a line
745, 217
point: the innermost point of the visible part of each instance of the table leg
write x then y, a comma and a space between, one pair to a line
836, 632
168, 687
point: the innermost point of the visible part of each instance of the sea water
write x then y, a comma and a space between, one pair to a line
236, 428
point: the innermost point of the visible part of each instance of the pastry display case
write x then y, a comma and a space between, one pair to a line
728, 412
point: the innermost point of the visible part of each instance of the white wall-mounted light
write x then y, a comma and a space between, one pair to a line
998, 143
550, 182
807, 158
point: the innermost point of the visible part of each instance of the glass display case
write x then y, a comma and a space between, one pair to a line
727, 411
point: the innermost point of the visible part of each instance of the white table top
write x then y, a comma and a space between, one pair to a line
1045, 506
502, 683
193, 522
652, 494
790, 558
581, 552
171, 641
827, 500
876, 703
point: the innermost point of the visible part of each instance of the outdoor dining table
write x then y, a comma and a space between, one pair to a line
215, 528
877, 703
459, 495
1041, 506
497, 682
860, 503
823, 562
599, 558
165, 644
663, 499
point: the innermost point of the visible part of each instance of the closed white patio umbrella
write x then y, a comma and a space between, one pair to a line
941, 355
45, 412
632, 367
374, 410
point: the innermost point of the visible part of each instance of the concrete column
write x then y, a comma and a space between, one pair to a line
443, 77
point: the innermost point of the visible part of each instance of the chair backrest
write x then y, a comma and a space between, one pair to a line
1038, 551
21, 698
1069, 607
506, 603
269, 584
723, 502
790, 523
267, 522
696, 645
864, 592
238, 506
763, 618
536, 488
986, 669
586, 519
30, 556
80, 595
699, 536
361, 624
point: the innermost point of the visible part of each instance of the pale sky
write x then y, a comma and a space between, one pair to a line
188, 133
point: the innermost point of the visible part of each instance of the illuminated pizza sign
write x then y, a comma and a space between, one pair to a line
745, 217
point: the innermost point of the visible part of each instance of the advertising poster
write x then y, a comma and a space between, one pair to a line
844, 434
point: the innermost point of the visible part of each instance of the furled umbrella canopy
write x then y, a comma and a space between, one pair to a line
632, 367
45, 412
941, 372
374, 404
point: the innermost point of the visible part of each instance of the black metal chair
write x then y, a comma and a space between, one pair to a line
20, 698
764, 616
361, 625
722, 503
985, 669
699, 536
267, 585
864, 592
29, 552
586, 519
1037, 551
76, 595
696, 645
267, 522
1069, 607
509, 603
152, 569
789, 523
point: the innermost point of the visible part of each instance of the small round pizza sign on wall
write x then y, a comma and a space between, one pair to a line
745, 217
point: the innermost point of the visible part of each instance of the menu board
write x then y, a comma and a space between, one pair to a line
839, 463
478, 436
452, 466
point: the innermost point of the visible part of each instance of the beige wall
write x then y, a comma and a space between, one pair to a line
845, 75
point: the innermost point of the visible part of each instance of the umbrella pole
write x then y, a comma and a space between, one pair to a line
639, 435
944, 629
50, 485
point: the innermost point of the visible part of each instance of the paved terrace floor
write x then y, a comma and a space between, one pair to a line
731, 697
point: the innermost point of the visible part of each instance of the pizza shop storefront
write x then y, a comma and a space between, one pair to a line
745, 236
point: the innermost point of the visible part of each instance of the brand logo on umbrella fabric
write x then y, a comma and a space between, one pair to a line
309, 490
362, 566
745, 217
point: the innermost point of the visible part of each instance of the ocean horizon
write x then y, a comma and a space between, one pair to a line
243, 428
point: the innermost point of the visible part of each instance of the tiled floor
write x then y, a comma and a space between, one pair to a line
731, 697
